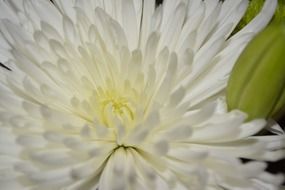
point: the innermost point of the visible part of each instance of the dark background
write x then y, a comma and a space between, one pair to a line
274, 167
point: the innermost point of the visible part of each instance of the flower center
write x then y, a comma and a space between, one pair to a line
119, 107
115, 106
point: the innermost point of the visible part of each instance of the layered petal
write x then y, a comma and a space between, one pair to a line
123, 95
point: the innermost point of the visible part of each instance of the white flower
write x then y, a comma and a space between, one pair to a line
121, 95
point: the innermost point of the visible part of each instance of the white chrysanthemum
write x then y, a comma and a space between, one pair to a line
120, 95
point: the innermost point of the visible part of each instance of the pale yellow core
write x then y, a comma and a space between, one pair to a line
119, 107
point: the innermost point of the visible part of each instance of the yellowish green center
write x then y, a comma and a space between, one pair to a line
120, 107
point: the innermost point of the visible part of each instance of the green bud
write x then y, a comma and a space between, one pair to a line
257, 82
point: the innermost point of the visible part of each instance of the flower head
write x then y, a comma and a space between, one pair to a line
122, 95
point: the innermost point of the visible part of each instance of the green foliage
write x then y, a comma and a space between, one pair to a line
280, 11
255, 7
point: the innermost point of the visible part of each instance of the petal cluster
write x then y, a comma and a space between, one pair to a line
124, 95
